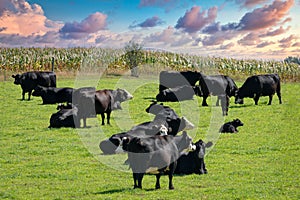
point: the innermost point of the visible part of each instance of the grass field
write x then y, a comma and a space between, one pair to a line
262, 161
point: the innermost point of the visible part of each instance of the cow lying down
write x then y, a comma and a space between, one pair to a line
67, 116
180, 93
155, 154
193, 161
231, 127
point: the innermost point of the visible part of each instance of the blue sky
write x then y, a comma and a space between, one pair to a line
261, 29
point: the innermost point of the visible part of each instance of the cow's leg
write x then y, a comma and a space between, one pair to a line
29, 94
270, 99
84, 122
279, 97
204, 103
103, 118
108, 117
23, 95
172, 168
135, 179
218, 100
256, 98
140, 178
157, 185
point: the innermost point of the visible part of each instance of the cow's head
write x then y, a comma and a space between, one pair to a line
184, 142
38, 91
201, 146
121, 95
18, 79
154, 108
110, 145
237, 123
239, 99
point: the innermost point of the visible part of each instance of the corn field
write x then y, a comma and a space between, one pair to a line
113, 61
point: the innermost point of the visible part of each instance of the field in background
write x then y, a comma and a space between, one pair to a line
260, 162
112, 61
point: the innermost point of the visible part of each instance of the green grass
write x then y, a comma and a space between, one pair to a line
260, 162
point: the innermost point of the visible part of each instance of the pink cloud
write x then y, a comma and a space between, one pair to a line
227, 46
250, 39
194, 20
76, 30
275, 32
287, 42
249, 3
264, 44
20, 17
165, 36
266, 16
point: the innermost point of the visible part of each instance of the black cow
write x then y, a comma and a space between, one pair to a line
155, 154
173, 79
218, 85
175, 124
61, 106
231, 127
65, 118
193, 162
91, 102
108, 100
179, 93
29, 81
52, 95
259, 85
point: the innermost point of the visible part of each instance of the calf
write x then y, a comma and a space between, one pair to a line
231, 127
52, 95
193, 162
257, 86
179, 93
155, 152
29, 81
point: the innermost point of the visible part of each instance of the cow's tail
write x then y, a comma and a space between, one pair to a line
278, 89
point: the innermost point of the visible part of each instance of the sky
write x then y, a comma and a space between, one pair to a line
245, 29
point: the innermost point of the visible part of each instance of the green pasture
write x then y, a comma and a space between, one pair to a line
260, 162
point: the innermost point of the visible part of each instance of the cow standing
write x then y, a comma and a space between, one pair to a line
52, 95
173, 79
259, 85
30, 80
156, 154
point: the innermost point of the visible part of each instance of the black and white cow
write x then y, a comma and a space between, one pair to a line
179, 93
259, 85
52, 95
193, 162
29, 81
231, 127
155, 154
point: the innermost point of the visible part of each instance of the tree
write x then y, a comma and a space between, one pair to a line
133, 56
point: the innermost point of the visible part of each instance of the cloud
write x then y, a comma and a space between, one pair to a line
218, 38
194, 20
91, 24
250, 39
287, 42
266, 16
22, 18
165, 36
149, 23
264, 44
227, 46
249, 3
275, 32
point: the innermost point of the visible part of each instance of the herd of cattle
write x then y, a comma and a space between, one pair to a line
154, 146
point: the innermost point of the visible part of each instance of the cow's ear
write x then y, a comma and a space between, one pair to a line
14, 76
208, 144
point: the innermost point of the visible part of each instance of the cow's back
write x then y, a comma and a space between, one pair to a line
172, 79
269, 83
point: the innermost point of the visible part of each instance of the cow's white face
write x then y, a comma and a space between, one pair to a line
123, 95
120, 149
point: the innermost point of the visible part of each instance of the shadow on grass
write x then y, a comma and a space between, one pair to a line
111, 191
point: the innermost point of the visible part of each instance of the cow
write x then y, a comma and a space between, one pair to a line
91, 102
231, 127
53, 95
175, 124
61, 106
257, 86
29, 81
155, 154
193, 162
172, 79
108, 100
179, 93
65, 117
